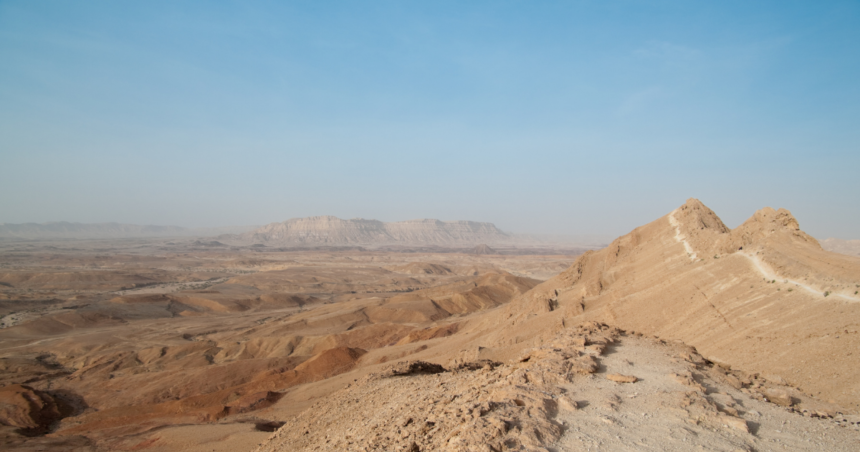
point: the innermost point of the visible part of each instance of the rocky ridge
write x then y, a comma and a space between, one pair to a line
728, 292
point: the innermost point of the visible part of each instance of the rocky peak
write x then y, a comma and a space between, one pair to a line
768, 224
694, 215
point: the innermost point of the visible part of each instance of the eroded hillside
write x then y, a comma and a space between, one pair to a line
763, 296
120, 341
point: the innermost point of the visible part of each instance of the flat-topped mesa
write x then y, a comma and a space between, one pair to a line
321, 230
328, 230
429, 230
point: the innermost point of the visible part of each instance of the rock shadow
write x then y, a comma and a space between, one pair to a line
268, 426
610, 349
753, 427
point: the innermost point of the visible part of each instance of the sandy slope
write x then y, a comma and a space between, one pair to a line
762, 297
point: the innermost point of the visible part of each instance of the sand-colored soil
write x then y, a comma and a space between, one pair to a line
172, 345
141, 346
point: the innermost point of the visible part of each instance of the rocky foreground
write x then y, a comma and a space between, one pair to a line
592, 387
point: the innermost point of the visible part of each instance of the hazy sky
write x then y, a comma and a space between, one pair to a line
569, 117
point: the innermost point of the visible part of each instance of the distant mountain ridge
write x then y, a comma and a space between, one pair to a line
329, 230
67, 230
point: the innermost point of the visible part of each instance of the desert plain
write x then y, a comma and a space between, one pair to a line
683, 334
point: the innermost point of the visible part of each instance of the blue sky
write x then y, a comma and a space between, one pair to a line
576, 117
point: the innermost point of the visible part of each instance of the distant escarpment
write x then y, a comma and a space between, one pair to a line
328, 230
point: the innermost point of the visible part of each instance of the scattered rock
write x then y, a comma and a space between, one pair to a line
733, 381
255, 401
779, 397
413, 368
567, 404
478, 365
618, 378
735, 423
584, 365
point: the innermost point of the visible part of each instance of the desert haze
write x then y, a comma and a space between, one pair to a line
327, 334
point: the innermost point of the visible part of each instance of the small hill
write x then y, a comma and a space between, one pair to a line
422, 268
483, 249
